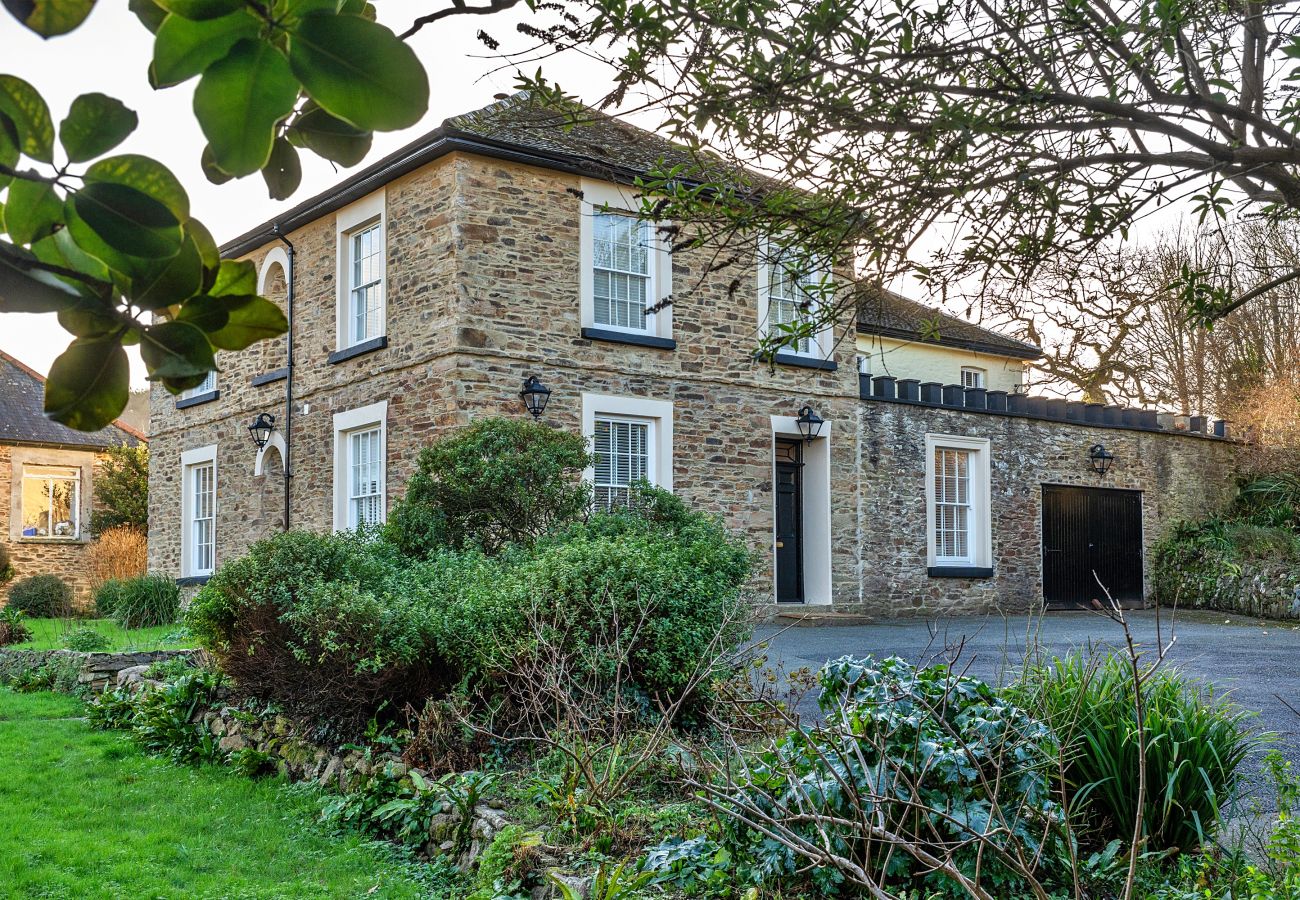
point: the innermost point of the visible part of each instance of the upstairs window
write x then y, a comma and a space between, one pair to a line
972, 377
51, 502
365, 477
622, 451
366, 287
621, 274
208, 385
790, 292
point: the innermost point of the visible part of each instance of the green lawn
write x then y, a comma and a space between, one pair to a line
84, 813
47, 634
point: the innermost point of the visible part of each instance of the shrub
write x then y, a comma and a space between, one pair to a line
122, 492
498, 482
162, 721
117, 553
13, 630
1195, 744
86, 640
42, 596
6, 565
141, 602
309, 621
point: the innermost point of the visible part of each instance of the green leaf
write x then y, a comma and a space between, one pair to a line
89, 384
30, 290
88, 318
250, 319
31, 117
50, 18
150, 14
183, 47
200, 9
210, 168
95, 124
121, 226
172, 282
283, 172
237, 278
208, 252
9, 151
238, 102
32, 211
329, 137
176, 350
206, 313
359, 71
146, 175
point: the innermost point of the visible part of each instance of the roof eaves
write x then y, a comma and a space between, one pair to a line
1023, 351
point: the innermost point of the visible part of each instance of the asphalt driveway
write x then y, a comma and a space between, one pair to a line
1256, 662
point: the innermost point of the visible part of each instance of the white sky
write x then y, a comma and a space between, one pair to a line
110, 54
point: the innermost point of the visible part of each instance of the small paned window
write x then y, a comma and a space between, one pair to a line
952, 505
622, 451
51, 502
621, 270
365, 477
203, 503
365, 314
972, 377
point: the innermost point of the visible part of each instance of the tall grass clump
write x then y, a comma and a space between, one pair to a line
1195, 743
117, 553
139, 602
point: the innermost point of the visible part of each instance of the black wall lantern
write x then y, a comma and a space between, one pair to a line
261, 429
1101, 459
535, 395
810, 424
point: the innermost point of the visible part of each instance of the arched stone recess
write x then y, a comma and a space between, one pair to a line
273, 284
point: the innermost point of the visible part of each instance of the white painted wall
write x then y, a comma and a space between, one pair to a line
928, 362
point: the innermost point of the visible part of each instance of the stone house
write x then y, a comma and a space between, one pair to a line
47, 478
429, 286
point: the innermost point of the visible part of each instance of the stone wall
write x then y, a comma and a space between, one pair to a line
95, 671
67, 558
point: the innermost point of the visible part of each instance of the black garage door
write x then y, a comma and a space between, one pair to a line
1091, 537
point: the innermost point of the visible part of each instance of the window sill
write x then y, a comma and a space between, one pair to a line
960, 571
805, 362
271, 377
627, 337
189, 580
49, 540
198, 399
370, 346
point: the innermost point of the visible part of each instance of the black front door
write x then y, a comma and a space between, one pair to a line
789, 522
1092, 537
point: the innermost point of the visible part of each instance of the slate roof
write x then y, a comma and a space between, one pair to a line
892, 315
23, 421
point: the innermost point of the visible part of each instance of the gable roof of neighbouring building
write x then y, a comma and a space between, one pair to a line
519, 129
894, 316
22, 416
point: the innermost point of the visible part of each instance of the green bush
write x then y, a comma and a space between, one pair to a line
1195, 744
309, 621
162, 721
497, 482
122, 489
13, 630
42, 597
141, 602
86, 640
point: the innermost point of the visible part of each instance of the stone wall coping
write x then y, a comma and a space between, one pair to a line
955, 398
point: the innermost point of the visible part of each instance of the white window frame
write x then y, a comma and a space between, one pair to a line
651, 456
602, 197
820, 343
346, 424
978, 375
208, 385
191, 460
979, 542
51, 473
657, 414
351, 220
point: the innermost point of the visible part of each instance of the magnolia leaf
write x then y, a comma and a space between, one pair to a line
173, 281
236, 278
30, 290
201, 9
9, 151
283, 171
89, 384
329, 137
33, 210
122, 227
146, 175
50, 18
95, 124
238, 102
250, 319
88, 318
206, 313
25, 107
209, 255
183, 47
359, 71
210, 168
50, 250
150, 14
176, 350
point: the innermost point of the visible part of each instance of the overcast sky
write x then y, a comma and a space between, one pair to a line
110, 54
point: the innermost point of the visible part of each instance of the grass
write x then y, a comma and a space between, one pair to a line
47, 634
85, 813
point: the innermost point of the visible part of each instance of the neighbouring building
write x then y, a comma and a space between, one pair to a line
431, 284
47, 479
